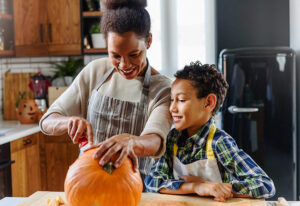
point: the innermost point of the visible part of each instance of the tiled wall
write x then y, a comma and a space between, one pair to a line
24, 65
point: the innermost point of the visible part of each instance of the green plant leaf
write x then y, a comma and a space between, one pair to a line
71, 67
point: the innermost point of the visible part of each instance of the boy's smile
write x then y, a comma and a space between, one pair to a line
187, 110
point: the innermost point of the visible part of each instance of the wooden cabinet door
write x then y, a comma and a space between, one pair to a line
64, 33
60, 153
30, 20
26, 173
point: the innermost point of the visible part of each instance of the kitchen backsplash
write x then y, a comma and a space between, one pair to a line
31, 64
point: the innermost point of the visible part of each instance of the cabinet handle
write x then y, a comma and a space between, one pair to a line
41, 33
27, 141
50, 32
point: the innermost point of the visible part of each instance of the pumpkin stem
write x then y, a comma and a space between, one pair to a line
109, 167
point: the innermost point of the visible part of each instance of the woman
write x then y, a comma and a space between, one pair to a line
120, 102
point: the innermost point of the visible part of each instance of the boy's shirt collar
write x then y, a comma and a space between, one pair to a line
201, 136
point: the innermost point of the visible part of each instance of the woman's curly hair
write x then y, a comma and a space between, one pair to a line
206, 79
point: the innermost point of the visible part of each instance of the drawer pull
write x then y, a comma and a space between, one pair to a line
27, 141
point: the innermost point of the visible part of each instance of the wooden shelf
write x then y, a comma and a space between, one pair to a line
93, 50
7, 53
92, 13
5, 16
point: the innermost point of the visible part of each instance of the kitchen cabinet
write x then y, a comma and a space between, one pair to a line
41, 163
26, 171
6, 29
60, 153
91, 14
47, 27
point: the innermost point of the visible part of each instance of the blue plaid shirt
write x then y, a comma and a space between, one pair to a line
236, 167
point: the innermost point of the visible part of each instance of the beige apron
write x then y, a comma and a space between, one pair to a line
206, 168
110, 116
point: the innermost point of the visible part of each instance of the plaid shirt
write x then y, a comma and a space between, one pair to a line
236, 167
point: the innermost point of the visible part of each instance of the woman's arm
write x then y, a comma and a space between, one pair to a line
76, 127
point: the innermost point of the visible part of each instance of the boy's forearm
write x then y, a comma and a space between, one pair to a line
185, 188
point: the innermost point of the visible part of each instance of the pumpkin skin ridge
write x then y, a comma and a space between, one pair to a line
131, 185
122, 187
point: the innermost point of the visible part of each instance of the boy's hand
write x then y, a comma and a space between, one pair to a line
220, 191
190, 178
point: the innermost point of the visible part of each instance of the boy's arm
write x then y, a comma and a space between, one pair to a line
246, 177
161, 176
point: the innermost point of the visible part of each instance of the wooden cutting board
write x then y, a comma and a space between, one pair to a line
13, 83
153, 199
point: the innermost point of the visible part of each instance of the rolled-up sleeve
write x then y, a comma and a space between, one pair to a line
161, 176
246, 176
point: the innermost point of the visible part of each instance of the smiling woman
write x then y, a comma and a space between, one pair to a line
121, 102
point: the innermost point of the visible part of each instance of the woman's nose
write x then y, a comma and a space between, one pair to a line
124, 63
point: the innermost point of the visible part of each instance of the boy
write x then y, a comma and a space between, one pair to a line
200, 158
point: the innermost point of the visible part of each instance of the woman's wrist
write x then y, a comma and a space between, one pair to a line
56, 124
146, 145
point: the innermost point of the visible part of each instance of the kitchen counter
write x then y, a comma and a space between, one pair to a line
39, 198
12, 130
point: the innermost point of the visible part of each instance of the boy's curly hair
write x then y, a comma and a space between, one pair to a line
206, 79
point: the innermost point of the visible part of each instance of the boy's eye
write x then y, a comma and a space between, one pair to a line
181, 100
172, 100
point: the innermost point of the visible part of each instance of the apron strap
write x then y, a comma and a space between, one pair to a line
146, 85
209, 150
104, 77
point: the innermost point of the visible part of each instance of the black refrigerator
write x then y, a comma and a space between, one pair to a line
260, 110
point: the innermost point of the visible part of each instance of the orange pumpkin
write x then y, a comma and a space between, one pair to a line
28, 111
87, 183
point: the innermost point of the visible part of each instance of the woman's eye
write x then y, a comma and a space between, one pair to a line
116, 56
181, 100
172, 100
134, 55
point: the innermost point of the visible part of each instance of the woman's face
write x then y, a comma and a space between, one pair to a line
127, 53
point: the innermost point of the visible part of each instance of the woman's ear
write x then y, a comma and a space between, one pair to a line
210, 102
149, 41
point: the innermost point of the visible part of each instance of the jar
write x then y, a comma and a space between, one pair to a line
4, 7
1, 39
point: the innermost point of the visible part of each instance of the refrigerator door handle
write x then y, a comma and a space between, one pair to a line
235, 109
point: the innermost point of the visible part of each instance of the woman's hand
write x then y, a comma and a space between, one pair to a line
77, 127
220, 191
123, 144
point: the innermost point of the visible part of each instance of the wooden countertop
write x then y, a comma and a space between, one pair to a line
153, 199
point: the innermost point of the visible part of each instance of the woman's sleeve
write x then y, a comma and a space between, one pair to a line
159, 121
246, 176
74, 101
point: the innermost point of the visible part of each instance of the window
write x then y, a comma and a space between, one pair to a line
183, 31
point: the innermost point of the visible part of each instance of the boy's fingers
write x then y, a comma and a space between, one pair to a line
183, 177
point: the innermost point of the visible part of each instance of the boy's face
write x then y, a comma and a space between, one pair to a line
187, 110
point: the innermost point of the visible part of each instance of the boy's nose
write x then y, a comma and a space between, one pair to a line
173, 107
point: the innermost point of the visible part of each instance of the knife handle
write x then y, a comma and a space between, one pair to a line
82, 141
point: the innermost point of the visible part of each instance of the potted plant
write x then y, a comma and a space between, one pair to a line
98, 39
68, 70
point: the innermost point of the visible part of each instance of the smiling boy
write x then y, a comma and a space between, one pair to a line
199, 157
